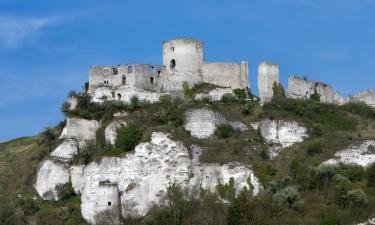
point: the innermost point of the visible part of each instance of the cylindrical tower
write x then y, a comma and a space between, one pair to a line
184, 55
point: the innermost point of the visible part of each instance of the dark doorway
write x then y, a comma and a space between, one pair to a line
173, 64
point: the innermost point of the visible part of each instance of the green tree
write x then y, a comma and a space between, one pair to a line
278, 91
128, 137
371, 176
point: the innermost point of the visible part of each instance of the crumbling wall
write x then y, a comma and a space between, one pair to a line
268, 74
367, 97
233, 75
302, 88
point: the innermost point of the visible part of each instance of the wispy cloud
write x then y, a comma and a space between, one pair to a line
15, 30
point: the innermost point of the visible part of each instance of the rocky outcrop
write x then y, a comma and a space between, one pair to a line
215, 94
201, 123
139, 178
301, 88
50, 174
359, 154
281, 134
110, 132
81, 129
66, 150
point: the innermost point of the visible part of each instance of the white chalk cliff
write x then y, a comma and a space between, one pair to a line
141, 176
362, 154
281, 134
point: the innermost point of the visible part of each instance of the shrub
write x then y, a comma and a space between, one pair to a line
65, 107
9, 215
240, 95
226, 191
47, 138
224, 131
228, 99
357, 198
288, 197
128, 137
72, 94
134, 103
370, 176
247, 108
28, 206
314, 146
65, 191
324, 174
278, 91
188, 92
315, 96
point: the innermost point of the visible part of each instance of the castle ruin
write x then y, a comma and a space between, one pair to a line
184, 61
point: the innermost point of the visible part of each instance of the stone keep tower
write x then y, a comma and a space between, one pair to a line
183, 59
268, 74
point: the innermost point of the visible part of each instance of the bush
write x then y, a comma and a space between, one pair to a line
315, 96
134, 103
188, 92
278, 91
28, 206
357, 198
247, 108
9, 215
65, 191
370, 175
65, 107
228, 99
224, 131
288, 197
315, 146
226, 191
128, 137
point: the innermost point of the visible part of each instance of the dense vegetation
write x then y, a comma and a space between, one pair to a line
296, 189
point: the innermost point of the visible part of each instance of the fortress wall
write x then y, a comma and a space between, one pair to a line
301, 88
367, 97
233, 75
268, 74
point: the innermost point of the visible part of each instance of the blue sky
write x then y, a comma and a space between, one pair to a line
46, 46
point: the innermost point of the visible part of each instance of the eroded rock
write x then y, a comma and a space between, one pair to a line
281, 134
359, 154
66, 150
141, 177
110, 131
50, 174
202, 123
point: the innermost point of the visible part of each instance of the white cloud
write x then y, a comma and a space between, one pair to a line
14, 30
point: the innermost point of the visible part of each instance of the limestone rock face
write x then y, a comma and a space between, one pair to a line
202, 123
50, 174
281, 134
206, 175
110, 131
77, 179
64, 133
215, 94
66, 150
143, 175
359, 154
81, 129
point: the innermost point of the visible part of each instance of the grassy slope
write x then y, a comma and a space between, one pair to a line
334, 126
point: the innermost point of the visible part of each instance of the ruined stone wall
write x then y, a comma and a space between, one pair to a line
301, 88
182, 59
367, 97
268, 74
233, 75
81, 129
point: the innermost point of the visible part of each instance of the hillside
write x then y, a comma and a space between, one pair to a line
281, 144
